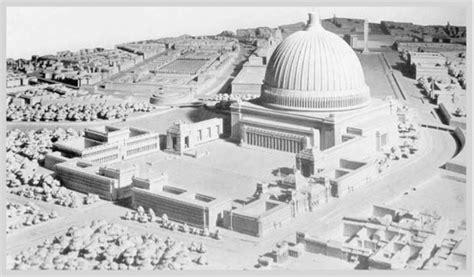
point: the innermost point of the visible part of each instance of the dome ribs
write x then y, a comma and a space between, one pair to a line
315, 70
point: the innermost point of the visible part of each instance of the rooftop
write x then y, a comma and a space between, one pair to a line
260, 208
250, 74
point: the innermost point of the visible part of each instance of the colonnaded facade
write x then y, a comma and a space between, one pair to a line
314, 95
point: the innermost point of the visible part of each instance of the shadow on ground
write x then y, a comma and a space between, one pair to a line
406, 70
282, 171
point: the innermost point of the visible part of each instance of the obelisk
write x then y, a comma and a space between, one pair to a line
366, 36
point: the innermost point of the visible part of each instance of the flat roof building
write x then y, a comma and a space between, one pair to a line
258, 218
108, 183
181, 205
106, 144
249, 81
182, 136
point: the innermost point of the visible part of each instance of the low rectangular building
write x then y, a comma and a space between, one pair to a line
426, 58
182, 137
249, 81
86, 177
349, 175
258, 218
180, 205
433, 71
108, 144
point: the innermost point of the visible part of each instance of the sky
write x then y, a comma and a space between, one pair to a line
47, 30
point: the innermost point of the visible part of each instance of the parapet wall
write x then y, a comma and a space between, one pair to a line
450, 119
86, 182
194, 209
329, 248
429, 46
51, 159
242, 224
262, 222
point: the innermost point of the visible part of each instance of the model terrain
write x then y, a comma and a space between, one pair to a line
331, 144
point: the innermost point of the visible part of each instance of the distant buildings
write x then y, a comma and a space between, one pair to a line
428, 46
249, 81
428, 64
189, 66
407, 31
143, 48
87, 66
16, 79
56, 94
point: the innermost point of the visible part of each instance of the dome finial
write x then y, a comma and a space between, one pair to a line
314, 21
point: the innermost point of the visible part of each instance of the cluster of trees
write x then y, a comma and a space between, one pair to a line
141, 216
105, 246
74, 112
225, 100
259, 32
25, 181
21, 215
460, 112
423, 82
458, 74
230, 97
35, 144
24, 152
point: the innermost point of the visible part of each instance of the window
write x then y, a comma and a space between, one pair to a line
209, 132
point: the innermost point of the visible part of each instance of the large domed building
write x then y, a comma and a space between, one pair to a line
315, 101
314, 70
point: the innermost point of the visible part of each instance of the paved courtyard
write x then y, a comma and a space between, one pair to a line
376, 75
228, 170
443, 195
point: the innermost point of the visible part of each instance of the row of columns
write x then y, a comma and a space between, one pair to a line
317, 103
273, 142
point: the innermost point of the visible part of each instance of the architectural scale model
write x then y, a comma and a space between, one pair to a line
335, 144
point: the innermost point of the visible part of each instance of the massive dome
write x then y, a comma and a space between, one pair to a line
314, 70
